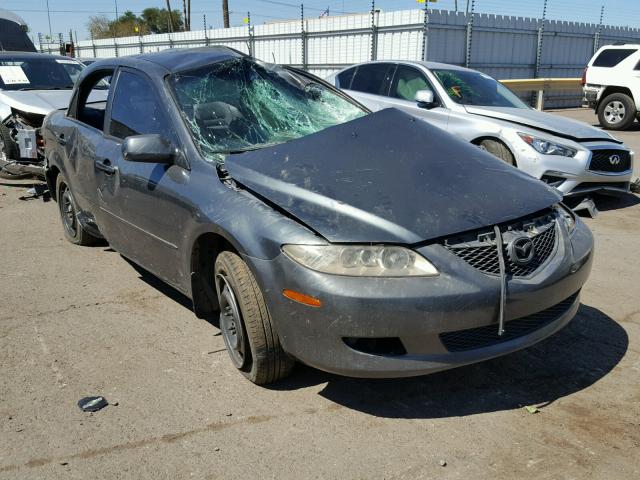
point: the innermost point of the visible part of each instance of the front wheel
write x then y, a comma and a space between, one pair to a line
617, 112
247, 328
498, 149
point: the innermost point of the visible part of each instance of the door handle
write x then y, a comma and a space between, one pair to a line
105, 166
61, 140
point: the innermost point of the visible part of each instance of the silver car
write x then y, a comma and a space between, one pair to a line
572, 156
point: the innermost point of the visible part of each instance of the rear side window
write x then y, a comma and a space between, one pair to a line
136, 109
612, 56
345, 78
373, 78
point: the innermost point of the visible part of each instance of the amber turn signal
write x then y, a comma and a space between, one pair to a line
301, 298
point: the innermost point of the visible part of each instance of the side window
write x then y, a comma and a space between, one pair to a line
407, 81
344, 79
373, 78
136, 110
92, 100
612, 57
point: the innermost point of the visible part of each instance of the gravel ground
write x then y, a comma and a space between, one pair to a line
78, 321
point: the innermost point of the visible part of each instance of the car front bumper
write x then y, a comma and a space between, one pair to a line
575, 176
419, 311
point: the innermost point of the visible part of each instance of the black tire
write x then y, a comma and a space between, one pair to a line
617, 112
247, 328
11, 152
498, 149
73, 229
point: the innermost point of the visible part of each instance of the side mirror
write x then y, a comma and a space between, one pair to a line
151, 148
425, 99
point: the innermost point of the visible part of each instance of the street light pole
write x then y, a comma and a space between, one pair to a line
116, 2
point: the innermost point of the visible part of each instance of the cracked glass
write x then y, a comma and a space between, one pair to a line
241, 104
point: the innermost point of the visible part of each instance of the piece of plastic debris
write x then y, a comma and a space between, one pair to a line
92, 404
587, 205
217, 449
532, 409
635, 186
443, 463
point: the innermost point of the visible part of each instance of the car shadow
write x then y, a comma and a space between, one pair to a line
162, 287
569, 361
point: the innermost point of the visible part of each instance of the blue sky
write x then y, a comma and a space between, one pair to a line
74, 14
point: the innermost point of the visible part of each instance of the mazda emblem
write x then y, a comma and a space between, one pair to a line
614, 159
521, 251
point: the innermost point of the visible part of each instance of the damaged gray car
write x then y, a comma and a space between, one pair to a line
31, 86
364, 244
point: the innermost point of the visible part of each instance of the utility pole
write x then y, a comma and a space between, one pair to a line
170, 16
225, 13
116, 2
189, 12
49, 18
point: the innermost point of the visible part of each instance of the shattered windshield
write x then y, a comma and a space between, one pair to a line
240, 104
475, 88
38, 73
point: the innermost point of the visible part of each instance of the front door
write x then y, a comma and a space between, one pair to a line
406, 82
142, 205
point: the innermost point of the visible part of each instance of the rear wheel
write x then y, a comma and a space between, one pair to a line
73, 229
8, 152
498, 149
247, 328
617, 112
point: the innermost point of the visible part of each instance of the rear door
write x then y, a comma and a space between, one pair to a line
142, 206
79, 135
369, 84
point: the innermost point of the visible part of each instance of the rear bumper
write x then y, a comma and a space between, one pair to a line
417, 312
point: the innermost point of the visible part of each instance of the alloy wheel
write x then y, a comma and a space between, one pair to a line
615, 112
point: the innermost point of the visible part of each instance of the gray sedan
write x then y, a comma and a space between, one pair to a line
572, 156
312, 229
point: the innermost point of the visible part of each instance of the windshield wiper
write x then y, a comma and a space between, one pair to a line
24, 89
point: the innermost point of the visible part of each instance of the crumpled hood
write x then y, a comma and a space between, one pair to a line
554, 124
388, 178
36, 101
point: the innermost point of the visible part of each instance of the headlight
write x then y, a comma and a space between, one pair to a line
547, 147
567, 216
361, 260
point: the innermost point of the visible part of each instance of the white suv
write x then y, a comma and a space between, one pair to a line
611, 85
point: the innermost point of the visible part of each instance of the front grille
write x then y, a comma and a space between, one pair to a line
544, 243
480, 337
483, 254
610, 161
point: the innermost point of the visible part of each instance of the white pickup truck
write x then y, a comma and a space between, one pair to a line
611, 85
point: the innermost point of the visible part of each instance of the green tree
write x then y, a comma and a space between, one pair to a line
152, 20
157, 19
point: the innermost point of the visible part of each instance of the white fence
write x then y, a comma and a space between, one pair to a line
502, 46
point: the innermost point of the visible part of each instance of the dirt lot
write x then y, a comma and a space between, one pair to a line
79, 321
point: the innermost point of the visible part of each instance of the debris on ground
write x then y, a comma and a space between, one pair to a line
532, 409
587, 205
39, 190
92, 404
443, 463
635, 186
